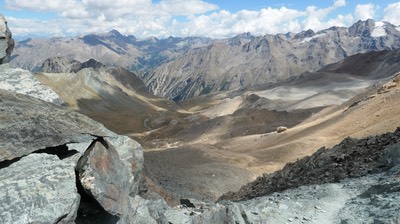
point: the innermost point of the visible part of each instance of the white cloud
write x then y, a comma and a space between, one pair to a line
42, 5
364, 12
392, 14
185, 7
315, 19
144, 18
224, 23
339, 3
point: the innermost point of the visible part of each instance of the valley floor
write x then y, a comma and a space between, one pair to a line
207, 158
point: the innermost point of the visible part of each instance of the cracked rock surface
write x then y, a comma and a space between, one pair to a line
39, 188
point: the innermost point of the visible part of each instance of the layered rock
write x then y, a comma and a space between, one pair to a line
6, 41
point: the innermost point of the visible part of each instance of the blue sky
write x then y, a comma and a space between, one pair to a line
211, 18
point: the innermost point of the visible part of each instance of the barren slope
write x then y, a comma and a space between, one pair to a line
114, 97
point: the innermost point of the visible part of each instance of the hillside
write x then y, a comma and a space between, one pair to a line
113, 96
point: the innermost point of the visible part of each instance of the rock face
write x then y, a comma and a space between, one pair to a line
6, 41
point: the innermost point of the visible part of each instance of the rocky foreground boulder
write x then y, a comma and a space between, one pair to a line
44, 148
6, 41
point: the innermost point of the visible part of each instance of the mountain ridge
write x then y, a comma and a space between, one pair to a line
269, 58
179, 68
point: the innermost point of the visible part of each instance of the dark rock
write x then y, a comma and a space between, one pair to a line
60, 65
187, 203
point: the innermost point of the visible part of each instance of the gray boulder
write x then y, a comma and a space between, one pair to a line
104, 176
6, 41
131, 154
39, 188
109, 169
30, 124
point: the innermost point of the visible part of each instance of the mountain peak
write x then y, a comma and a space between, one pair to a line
305, 34
240, 38
114, 33
362, 28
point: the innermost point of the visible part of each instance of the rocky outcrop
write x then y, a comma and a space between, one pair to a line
6, 41
60, 65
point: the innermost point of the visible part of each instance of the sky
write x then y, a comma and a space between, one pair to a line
181, 18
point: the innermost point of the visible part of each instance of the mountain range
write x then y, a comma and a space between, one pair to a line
180, 68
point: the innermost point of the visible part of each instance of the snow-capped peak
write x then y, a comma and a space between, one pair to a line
308, 39
379, 30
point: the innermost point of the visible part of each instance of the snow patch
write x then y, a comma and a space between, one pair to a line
398, 28
308, 39
379, 30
